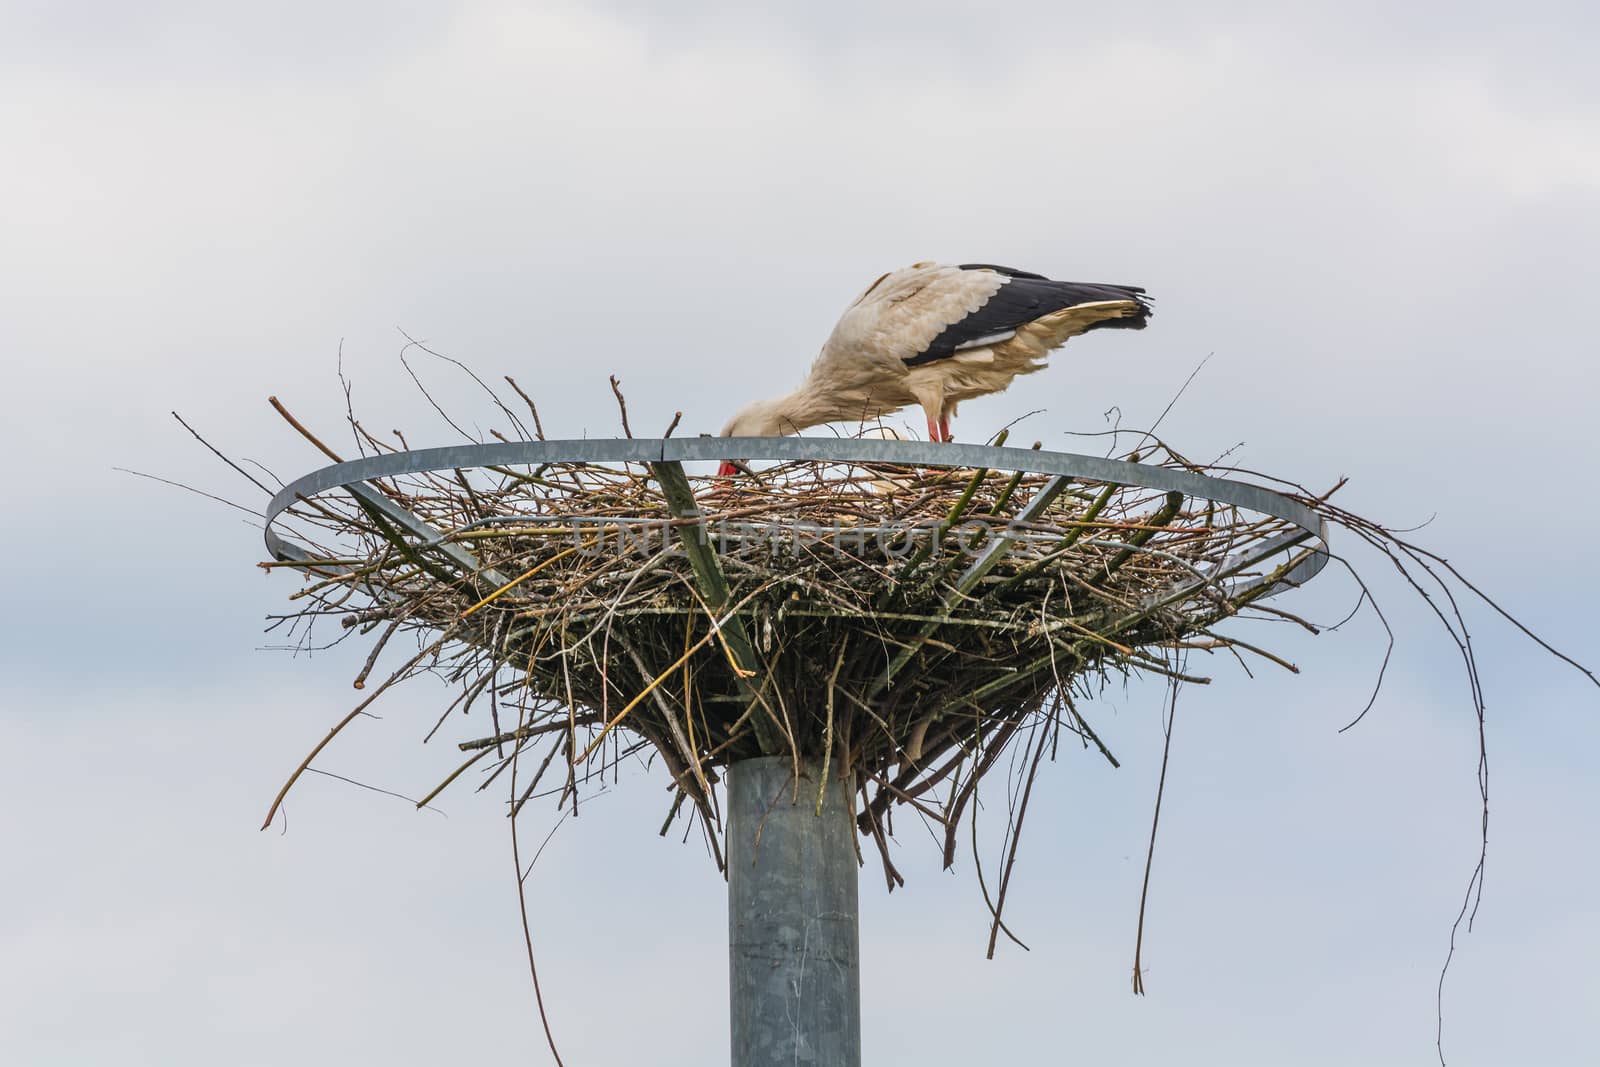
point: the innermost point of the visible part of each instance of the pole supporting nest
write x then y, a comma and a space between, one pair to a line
793, 921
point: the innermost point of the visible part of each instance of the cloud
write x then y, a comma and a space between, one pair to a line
1381, 221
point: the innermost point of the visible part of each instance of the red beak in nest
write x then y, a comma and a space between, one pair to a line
734, 466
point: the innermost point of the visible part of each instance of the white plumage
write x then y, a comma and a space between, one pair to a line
935, 335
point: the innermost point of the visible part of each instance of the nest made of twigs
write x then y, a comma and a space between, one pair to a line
843, 621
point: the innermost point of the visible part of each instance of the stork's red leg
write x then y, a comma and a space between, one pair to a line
944, 429
933, 430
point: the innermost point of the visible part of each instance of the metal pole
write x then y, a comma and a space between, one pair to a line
793, 924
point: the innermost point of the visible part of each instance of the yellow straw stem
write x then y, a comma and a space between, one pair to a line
513, 583
647, 690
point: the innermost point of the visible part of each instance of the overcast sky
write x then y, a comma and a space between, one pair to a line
1380, 224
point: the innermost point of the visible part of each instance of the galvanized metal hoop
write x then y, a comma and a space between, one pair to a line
354, 474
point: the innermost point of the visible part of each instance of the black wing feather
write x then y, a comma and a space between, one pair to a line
1022, 299
1009, 272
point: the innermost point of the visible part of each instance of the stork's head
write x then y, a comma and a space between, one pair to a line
764, 418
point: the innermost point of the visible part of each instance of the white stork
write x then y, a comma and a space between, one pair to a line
936, 335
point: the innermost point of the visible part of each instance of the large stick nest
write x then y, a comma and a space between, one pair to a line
839, 614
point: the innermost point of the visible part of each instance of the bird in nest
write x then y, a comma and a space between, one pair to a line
935, 335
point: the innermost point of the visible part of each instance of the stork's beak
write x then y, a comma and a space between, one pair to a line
734, 466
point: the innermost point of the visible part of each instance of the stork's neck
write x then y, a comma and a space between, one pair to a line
812, 404
825, 399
